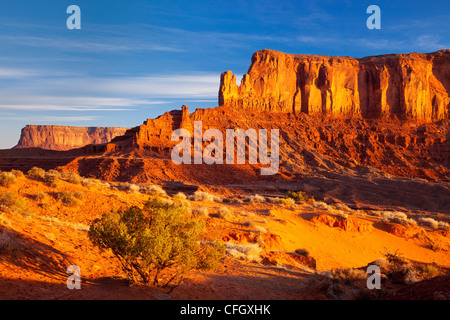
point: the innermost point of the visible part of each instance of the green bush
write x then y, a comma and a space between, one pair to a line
159, 243
298, 196
7, 179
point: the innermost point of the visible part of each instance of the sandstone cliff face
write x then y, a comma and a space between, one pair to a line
407, 86
64, 137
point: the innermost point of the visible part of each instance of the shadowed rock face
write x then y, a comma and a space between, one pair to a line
406, 86
65, 138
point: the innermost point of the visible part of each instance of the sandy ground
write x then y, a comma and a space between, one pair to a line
48, 237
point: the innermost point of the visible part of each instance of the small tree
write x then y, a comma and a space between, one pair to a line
159, 243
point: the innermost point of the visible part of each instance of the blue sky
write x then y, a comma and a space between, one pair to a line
134, 60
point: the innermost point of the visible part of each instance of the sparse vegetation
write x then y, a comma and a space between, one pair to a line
430, 222
287, 202
7, 179
155, 190
17, 173
202, 211
51, 180
398, 217
36, 172
251, 251
12, 202
255, 199
223, 213
70, 199
206, 196
71, 177
157, 244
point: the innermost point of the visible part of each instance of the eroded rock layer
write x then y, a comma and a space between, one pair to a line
407, 86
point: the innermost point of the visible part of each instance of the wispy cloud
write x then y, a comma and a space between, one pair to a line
42, 119
89, 44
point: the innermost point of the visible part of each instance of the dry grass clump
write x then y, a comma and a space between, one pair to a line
51, 180
224, 213
40, 197
133, 188
154, 190
70, 199
180, 196
17, 173
430, 222
320, 205
398, 217
202, 211
255, 199
206, 196
7, 179
89, 183
260, 229
36, 172
347, 284
71, 177
399, 270
251, 252
286, 202
12, 202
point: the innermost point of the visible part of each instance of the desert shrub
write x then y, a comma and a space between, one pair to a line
260, 229
320, 205
155, 190
287, 202
12, 202
206, 196
40, 197
71, 177
36, 172
51, 180
17, 173
180, 196
398, 217
70, 199
88, 183
223, 213
54, 172
298, 196
202, 211
255, 199
179, 201
430, 222
251, 251
342, 207
158, 243
7, 179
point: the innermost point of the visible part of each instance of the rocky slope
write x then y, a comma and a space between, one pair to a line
406, 86
65, 137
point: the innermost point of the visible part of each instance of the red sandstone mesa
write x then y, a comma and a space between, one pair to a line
65, 137
407, 86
